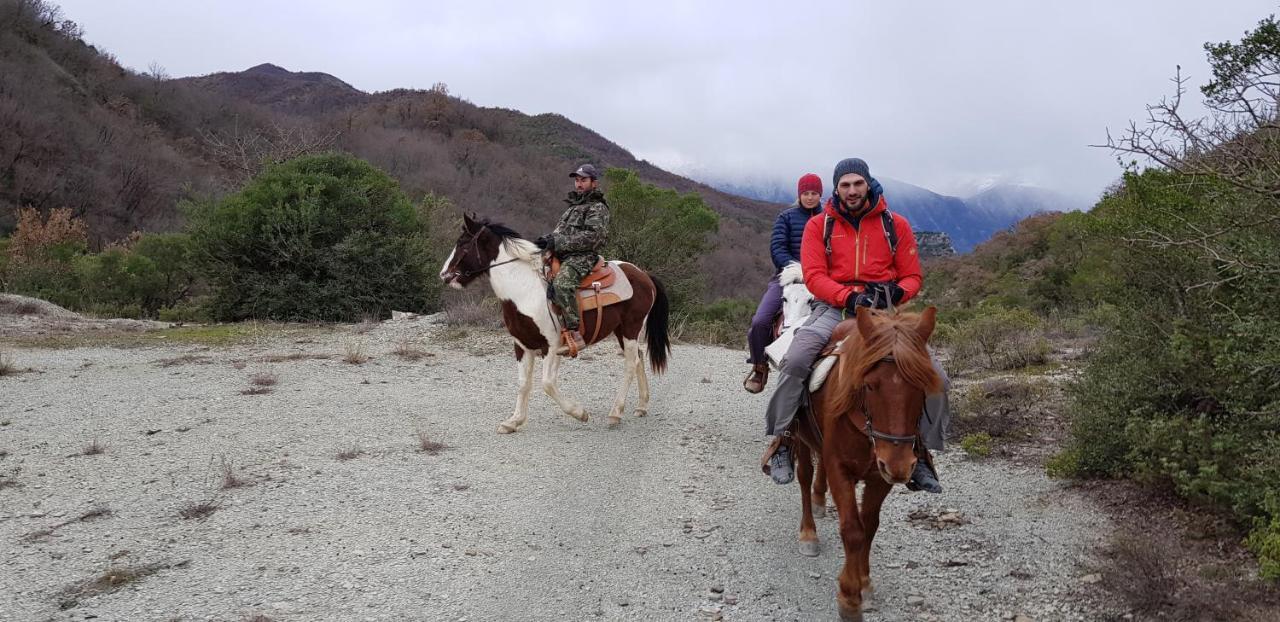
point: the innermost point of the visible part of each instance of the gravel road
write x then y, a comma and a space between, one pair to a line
665, 518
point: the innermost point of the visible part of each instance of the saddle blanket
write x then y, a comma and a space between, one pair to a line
619, 291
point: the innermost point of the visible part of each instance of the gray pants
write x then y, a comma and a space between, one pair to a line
793, 379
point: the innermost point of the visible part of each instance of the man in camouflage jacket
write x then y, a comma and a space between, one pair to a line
577, 242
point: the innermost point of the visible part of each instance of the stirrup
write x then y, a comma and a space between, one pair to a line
568, 345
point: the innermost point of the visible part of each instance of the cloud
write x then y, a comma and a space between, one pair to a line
940, 94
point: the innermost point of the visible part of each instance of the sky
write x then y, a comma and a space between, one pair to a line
949, 95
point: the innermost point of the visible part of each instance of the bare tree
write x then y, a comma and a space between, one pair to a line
248, 152
1237, 144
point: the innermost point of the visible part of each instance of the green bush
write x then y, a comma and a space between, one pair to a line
662, 231
978, 445
723, 322
323, 237
999, 338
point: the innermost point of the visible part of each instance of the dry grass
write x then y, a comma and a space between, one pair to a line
1164, 577
353, 352
229, 478
367, 324
200, 510
112, 579
293, 356
350, 453
10, 479
185, 359
264, 379
410, 351
428, 446
94, 448
7, 366
40, 534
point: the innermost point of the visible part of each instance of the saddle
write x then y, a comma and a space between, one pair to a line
605, 285
602, 274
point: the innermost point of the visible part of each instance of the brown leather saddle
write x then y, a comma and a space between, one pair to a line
601, 275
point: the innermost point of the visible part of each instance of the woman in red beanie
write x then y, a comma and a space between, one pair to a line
788, 230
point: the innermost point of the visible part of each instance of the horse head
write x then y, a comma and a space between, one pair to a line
890, 374
476, 249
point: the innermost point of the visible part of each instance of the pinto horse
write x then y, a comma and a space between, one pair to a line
867, 422
515, 269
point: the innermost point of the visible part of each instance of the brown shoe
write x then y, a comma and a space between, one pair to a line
571, 343
757, 378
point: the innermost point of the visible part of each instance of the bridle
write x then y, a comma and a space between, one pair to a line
874, 434
475, 247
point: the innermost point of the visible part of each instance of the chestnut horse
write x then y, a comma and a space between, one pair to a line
515, 269
867, 414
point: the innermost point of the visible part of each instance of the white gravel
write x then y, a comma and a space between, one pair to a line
666, 518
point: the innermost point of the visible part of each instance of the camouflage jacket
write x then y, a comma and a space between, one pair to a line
584, 226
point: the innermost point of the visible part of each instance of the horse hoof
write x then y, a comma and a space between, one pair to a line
810, 548
507, 428
819, 511
614, 422
640, 412
579, 414
847, 615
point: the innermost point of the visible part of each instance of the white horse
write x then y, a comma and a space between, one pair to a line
795, 308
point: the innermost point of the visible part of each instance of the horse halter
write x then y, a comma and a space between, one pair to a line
871, 432
475, 246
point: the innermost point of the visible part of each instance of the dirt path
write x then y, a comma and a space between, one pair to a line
665, 518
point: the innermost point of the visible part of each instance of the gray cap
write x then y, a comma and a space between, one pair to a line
586, 170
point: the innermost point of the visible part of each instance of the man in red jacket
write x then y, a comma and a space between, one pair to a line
856, 253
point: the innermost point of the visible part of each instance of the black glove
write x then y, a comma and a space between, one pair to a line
545, 243
854, 301
884, 293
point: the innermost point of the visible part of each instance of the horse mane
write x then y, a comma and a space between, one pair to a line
895, 335
512, 240
791, 273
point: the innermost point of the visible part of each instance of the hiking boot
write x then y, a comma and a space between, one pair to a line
571, 343
780, 466
757, 378
923, 478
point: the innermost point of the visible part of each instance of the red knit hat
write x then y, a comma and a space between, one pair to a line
809, 182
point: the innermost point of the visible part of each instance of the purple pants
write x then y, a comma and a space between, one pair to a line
761, 332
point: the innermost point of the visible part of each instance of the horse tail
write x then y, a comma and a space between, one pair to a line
655, 327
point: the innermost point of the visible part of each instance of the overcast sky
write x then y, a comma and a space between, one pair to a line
944, 94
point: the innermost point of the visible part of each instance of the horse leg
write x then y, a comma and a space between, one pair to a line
550, 372
808, 531
849, 593
525, 381
873, 494
819, 496
642, 381
629, 348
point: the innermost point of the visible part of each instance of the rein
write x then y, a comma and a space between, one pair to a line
476, 248
874, 434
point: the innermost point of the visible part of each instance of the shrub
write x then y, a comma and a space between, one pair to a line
323, 237
978, 445
662, 231
999, 338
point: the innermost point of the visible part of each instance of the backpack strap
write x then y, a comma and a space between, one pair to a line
886, 220
890, 232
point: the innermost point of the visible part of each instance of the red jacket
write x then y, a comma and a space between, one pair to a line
858, 256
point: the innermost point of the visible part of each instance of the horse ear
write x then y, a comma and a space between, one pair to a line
925, 326
866, 327
467, 220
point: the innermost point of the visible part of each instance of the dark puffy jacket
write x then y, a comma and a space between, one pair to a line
788, 230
